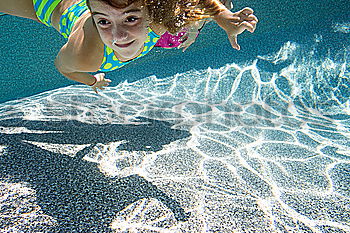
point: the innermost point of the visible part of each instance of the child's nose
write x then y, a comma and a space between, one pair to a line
120, 33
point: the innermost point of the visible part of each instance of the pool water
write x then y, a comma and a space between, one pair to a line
210, 140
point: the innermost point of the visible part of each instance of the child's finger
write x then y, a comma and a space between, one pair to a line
183, 38
236, 18
254, 24
248, 26
247, 11
254, 18
250, 18
185, 48
233, 41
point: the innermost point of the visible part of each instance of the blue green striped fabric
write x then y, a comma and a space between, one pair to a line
44, 9
70, 16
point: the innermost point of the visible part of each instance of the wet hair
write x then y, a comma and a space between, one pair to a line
173, 15
176, 14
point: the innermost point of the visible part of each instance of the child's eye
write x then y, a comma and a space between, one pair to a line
131, 19
103, 22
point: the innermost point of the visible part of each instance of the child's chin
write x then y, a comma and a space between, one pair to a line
129, 55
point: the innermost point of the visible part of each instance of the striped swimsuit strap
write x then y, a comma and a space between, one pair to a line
43, 10
70, 16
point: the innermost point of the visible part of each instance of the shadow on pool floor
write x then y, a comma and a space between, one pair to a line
72, 190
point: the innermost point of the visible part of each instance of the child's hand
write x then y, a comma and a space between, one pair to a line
188, 38
191, 35
236, 23
101, 82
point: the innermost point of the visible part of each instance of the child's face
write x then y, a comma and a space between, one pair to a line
122, 29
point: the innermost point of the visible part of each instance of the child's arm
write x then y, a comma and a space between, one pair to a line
97, 81
76, 58
194, 29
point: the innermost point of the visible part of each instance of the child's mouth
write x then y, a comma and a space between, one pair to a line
124, 45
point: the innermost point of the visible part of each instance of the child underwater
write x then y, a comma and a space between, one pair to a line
105, 35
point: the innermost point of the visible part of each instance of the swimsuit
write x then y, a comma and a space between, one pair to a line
70, 16
110, 61
44, 9
169, 41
